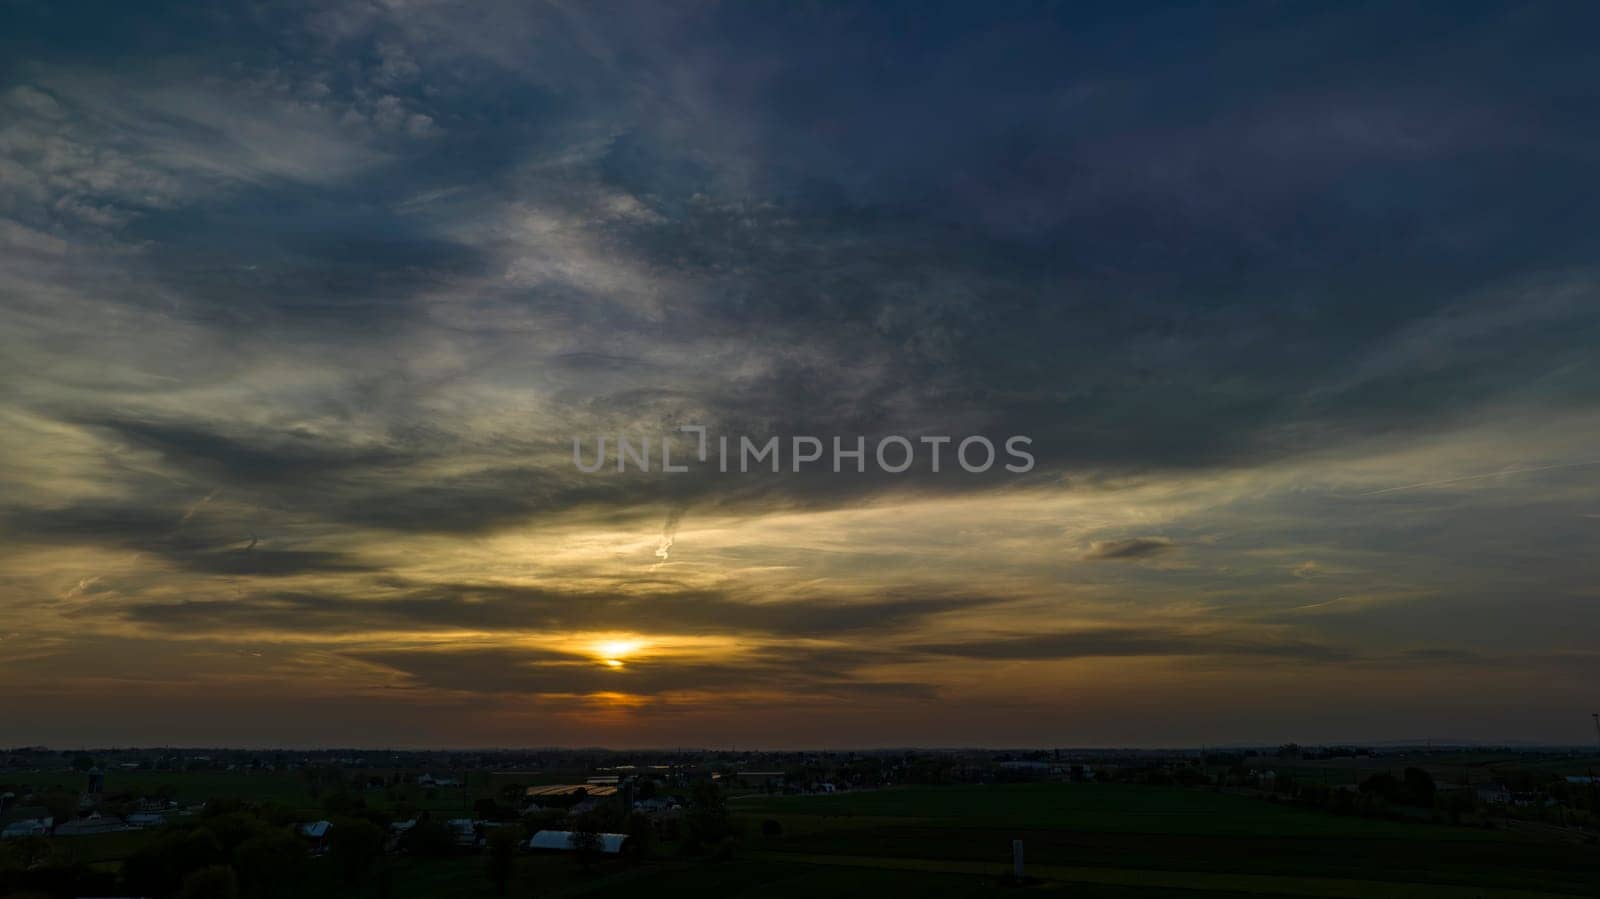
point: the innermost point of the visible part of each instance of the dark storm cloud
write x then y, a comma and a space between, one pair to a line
361, 271
1130, 548
494, 608
1428, 656
268, 562
1108, 642
1126, 254
348, 281
115, 523
1230, 275
203, 544
471, 503
1141, 266
265, 458
803, 672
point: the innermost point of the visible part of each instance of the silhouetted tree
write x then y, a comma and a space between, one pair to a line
160, 868
1419, 788
429, 838
270, 863
487, 809
1383, 785
641, 835
215, 882
707, 820
586, 839
501, 857
353, 845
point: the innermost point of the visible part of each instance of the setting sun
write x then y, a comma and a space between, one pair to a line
613, 653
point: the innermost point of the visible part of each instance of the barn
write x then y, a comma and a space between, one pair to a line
561, 841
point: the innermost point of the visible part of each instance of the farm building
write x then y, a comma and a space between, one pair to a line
316, 833
26, 821
1494, 794
561, 841
92, 824
17, 830
560, 791
465, 830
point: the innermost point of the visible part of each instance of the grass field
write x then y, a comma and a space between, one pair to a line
1457, 768
1171, 830
763, 878
288, 788
282, 788
1117, 808
1096, 840
557, 877
188, 786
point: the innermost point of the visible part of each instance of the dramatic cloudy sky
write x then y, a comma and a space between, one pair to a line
302, 306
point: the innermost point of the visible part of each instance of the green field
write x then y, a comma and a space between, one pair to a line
1107, 808
745, 878
763, 878
1457, 768
281, 788
288, 788
187, 786
1099, 840
1092, 827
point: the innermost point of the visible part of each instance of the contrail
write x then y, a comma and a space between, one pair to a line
1475, 477
196, 507
84, 583
669, 534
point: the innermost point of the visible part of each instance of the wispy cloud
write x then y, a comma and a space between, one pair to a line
1129, 548
298, 320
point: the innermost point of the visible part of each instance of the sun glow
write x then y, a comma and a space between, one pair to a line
613, 653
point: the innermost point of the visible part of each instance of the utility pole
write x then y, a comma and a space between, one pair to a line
1594, 785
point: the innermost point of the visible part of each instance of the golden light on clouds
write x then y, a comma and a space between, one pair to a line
614, 652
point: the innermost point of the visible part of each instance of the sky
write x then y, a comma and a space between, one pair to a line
302, 307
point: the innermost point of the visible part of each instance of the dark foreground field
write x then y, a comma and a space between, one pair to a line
1157, 837
1082, 840
1117, 841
